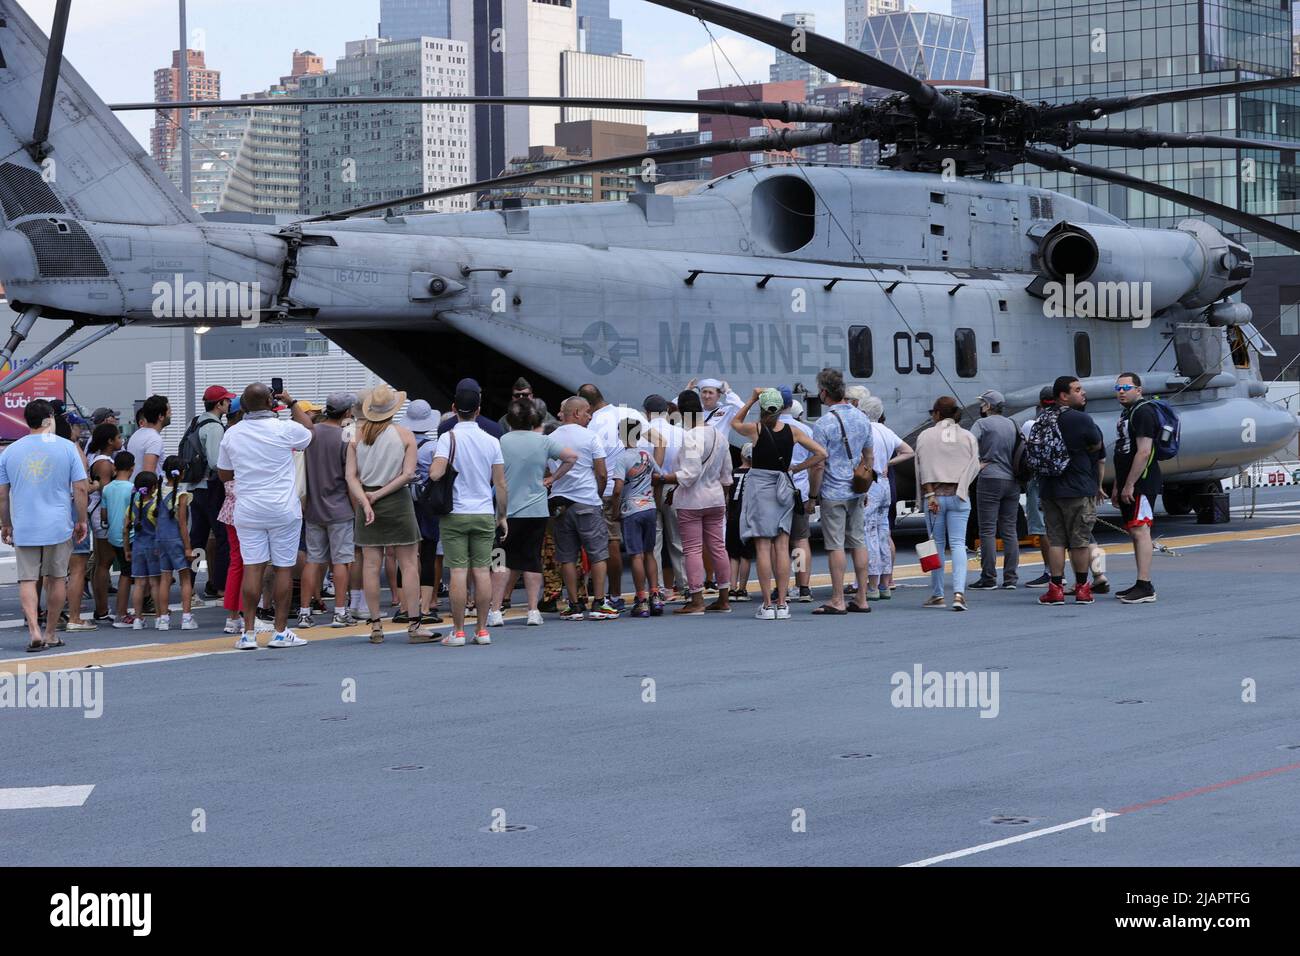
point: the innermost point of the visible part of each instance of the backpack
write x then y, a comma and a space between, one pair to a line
433, 498
193, 454
1168, 428
1020, 469
1045, 450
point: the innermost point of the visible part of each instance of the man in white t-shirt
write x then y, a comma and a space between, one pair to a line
146, 441
257, 453
468, 532
579, 520
605, 423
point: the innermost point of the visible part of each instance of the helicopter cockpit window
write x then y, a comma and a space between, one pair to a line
861, 359
1240, 350
967, 360
784, 212
1082, 355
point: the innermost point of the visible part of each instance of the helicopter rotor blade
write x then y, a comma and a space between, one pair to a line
789, 112
1256, 224
1149, 138
782, 140
836, 58
1097, 107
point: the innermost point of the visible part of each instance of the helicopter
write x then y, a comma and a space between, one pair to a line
928, 276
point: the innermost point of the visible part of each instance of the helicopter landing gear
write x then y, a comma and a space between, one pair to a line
1179, 500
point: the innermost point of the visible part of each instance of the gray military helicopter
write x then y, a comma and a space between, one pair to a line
926, 278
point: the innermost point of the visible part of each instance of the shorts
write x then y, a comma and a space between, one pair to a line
799, 523
843, 524
467, 540
123, 565
581, 528
1138, 513
278, 546
1069, 521
43, 560
332, 543
172, 556
524, 544
145, 562
639, 531
83, 547
613, 511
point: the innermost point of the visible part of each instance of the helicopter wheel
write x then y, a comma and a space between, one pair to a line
1177, 499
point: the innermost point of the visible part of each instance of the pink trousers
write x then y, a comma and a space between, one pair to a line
704, 528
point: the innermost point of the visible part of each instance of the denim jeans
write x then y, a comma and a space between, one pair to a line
948, 528
998, 503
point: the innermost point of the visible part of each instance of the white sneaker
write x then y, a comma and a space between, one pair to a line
246, 642
495, 619
783, 612
188, 623
286, 638
765, 613
343, 618
233, 626
164, 622
263, 627
304, 618
535, 618
453, 639
138, 624
482, 637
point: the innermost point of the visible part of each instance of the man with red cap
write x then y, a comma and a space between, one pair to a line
209, 492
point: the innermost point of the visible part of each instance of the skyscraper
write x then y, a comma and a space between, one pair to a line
403, 19
593, 74
597, 31
973, 10
204, 84
789, 67
364, 153
856, 11
927, 45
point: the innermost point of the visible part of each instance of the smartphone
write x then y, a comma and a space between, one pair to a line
277, 386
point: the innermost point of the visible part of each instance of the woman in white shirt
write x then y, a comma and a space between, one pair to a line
702, 473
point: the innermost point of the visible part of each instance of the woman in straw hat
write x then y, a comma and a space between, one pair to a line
381, 464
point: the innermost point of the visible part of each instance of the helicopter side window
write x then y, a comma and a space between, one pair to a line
1082, 355
1240, 351
861, 359
967, 360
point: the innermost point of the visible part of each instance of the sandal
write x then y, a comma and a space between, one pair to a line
852, 608
829, 609
57, 642
35, 647
416, 636
376, 629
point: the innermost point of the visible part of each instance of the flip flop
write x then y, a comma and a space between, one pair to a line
57, 642
828, 609
35, 647
852, 608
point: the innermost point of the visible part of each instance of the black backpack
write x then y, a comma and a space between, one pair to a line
193, 454
1020, 469
433, 497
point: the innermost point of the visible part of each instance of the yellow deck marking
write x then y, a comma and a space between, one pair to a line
61, 660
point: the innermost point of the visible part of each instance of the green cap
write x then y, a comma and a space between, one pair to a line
770, 400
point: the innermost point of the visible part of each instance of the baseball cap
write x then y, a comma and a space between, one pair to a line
655, 404
787, 395
217, 393
75, 419
468, 383
467, 399
1045, 396
102, 414
338, 402
770, 400
310, 407
993, 398
234, 405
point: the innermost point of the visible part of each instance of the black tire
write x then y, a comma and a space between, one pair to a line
1177, 500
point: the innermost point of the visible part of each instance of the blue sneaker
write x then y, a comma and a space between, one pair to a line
618, 603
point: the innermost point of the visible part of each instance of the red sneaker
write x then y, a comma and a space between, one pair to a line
1083, 594
1055, 594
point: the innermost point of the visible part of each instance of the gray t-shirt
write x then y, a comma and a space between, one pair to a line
996, 435
635, 468
526, 455
327, 480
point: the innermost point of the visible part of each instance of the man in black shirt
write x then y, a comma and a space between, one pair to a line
1070, 499
1137, 479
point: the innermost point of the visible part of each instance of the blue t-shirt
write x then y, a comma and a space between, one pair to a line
837, 481
40, 470
114, 502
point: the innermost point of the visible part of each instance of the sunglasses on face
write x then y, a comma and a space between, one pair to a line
523, 394
1125, 388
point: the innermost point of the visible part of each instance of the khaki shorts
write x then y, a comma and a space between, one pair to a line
613, 511
1069, 521
467, 540
799, 523
331, 543
43, 561
842, 524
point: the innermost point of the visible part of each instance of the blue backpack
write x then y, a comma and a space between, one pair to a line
1168, 428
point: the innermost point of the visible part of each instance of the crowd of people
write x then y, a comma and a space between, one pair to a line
290, 503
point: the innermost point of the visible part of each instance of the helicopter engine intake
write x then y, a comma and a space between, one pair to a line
1191, 266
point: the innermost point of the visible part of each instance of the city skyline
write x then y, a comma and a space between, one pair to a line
679, 61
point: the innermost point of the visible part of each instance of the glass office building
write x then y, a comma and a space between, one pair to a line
598, 32
931, 46
973, 11
404, 19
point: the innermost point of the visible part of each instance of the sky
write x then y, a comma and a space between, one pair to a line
116, 45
